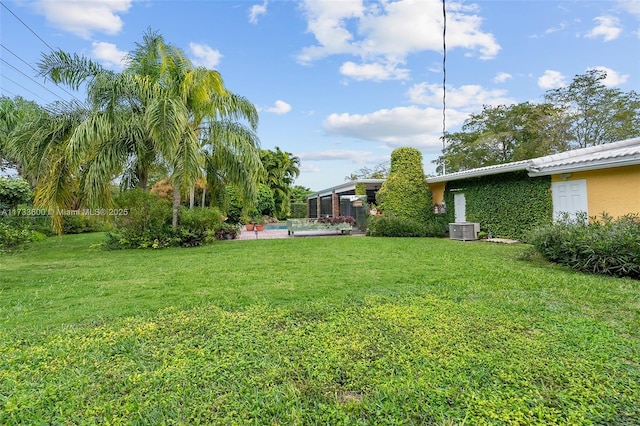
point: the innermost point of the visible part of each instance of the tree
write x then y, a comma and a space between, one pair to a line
502, 134
299, 193
281, 170
159, 110
41, 146
594, 114
13, 112
405, 193
585, 113
379, 171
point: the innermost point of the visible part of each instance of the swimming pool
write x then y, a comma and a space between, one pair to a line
274, 226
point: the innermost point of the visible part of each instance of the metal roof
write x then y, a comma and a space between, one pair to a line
615, 154
343, 187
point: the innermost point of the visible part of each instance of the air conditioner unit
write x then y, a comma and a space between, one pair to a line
464, 231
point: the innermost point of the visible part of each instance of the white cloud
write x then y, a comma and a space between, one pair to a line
608, 27
613, 77
279, 108
84, 18
375, 72
561, 27
109, 55
336, 154
468, 97
400, 126
257, 10
204, 56
387, 32
551, 80
501, 77
630, 6
308, 167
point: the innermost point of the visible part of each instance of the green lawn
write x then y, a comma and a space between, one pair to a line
339, 330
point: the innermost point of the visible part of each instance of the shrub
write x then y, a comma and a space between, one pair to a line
147, 223
298, 210
78, 224
338, 219
198, 226
405, 193
14, 191
605, 246
393, 226
13, 237
265, 204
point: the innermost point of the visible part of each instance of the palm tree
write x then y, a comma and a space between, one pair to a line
282, 168
14, 112
160, 109
41, 146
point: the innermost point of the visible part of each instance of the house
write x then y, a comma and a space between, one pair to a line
339, 200
511, 198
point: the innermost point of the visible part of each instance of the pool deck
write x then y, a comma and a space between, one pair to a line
270, 234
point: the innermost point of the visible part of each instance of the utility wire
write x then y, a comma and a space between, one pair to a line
4, 89
41, 85
31, 66
19, 85
444, 86
28, 27
46, 44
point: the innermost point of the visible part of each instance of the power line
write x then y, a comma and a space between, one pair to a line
4, 89
31, 66
28, 27
444, 86
21, 86
41, 85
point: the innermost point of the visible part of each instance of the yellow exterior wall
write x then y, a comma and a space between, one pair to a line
615, 191
437, 189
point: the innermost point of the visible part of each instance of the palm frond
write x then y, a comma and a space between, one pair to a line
69, 69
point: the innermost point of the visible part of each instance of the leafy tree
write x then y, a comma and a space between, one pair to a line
42, 147
299, 193
379, 171
13, 112
502, 134
585, 113
405, 193
594, 114
281, 170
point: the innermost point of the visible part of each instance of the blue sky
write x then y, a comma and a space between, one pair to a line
342, 83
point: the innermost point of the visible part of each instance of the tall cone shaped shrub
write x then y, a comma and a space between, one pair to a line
405, 193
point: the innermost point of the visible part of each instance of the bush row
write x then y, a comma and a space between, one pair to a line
394, 226
147, 224
605, 246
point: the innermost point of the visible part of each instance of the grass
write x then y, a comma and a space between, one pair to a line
313, 331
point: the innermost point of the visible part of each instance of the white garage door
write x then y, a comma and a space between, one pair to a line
569, 197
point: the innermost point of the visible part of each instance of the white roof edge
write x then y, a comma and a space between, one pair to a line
580, 167
344, 187
483, 171
544, 166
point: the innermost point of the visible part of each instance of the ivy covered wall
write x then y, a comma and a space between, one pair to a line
506, 205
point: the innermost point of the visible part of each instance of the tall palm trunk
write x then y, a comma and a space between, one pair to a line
192, 197
176, 207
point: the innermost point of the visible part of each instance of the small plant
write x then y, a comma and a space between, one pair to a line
338, 219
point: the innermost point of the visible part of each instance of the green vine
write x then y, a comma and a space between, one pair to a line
508, 205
